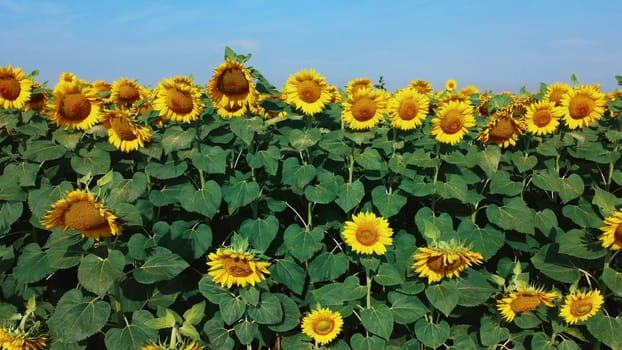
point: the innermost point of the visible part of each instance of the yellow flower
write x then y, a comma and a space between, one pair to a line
408, 108
555, 92
542, 118
422, 86
307, 91
355, 85
75, 106
468, 90
38, 98
194, 346
231, 111
368, 234
125, 92
15, 88
365, 109
81, 212
524, 300
66, 79
228, 267
579, 306
453, 120
435, 263
232, 86
611, 237
124, 133
13, 338
484, 104
322, 325
582, 106
503, 130
336, 96
451, 85
178, 102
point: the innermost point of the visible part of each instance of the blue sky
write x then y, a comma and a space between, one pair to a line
495, 45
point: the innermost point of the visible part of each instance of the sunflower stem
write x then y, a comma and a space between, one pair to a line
368, 299
350, 168
202, 177
309, 216
173, 341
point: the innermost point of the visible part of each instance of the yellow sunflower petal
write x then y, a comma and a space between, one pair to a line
368, 234
15, 88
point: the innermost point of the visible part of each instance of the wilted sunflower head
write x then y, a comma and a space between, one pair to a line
365, 109
542, 117
15, 88
484, 105
307, 91
178, 102
408, 108
13, 337
123, 132
231, 86
582, 106
524, 299
125, 92
357, 84
322, 325
452, 122
75, 106
444, 259
580, 306
503, 130
81, 212
236, 265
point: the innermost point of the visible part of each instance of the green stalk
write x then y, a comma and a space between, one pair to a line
173, 342
350, 168
368, 299
202, 177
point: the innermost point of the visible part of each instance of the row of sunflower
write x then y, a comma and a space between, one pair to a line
240, 216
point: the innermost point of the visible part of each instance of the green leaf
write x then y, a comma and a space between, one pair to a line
289, 274
93, 162
168, 170
542, 341
43, 150
613, 280
455, 187
513, 215
24, 173
370, 159
605, 201
161, 265
488, 160
580, 244
175, 138
269, 310
302, 244
606, 329
546, 221
524, 162
163, 322
406, 308
246, 330
77, 317
245, 128
418, 186
212, 291
204, 201
582, 214
325, 191
69, 138
547, 180
231, 309
388, 203
98, 275
571, 188
218, 335
268, 159
485, 240
443, 296
474, 288
32, 264
559, 267
10, 190
10, 212
134, 335
371, 342
502, 184
378, 320
327, 266
491, 332
239, 192
127, 190
432, 334
434, 227
568, 344
350, 195
297, 175
211, 159
260, 232
388, 275
195, 314
128, 213
291, 314
303, 139
421, 158
250, 295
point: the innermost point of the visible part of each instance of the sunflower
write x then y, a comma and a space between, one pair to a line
178, 102
408, 108
484, 105
556, 91
38, 98
75, 106
190, 346
422, 86
357, 84
15, 88
16, 339
103, 90
81, 212
307, 91
503, 130
125, 92
583, 105
123, 132
322, 325
579, 306
228, 267
611, 237
468, 90
451, 85
365, 108
336, 96
232, 85
231, 111
523, 300
444, 260
453, 120
542, 118
368, 234
612, 97
66, 79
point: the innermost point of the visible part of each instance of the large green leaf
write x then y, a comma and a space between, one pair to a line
268, 159
444, 296
288, 273
571, 187
268, 311
127, 190
582, 214
77, 317
175, 138
325, 191
369, 342
134, 335
303, 244
161, 265
218, 335
327, 266
370, 159
388, 275
168, 170
488, 160
260, 232
613, 280
350, 195
378, 320
212, 160
303, 139
474, 288
291, 314
491, 332
580, 244
98, 275
10, 189
432, 334
502, 184
93, 162
239, 192
232, 308
246, 330
513, 215
25, 173
10, 212
485, 240
295, 174
406, 308
559, 267
205, 201
606, 329
389, 203
43, 150
607, 202
32, 264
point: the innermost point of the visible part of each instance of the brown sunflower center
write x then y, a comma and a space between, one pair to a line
617, 235
502, 130
75, 106
438, 264
580, 307
128, 94
556, 96
323, 326
524, 302
364, 109
123, 128
83, 215
233, 81
542, 118
238, 267
366, 236
9, 88
452, 122
580, 107
309, 91
178, 101
408, 109
37, 101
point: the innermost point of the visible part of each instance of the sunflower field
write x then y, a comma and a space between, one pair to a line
235, 215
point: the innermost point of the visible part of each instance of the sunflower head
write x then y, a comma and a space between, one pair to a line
322, 325
524, 299
451, 85
468, 90
580, 306
236, 265
452, 122
307, 91
408, 108
424, 87
357, 84
611, 237
123, 132
125, 92
484, 104
38, 98
12, 337
367, 233
178, 101
15, 88
444, 259
582, 106
80, 211
232, 86
365, 109
75, 106
542, 117
556, 91
503, 130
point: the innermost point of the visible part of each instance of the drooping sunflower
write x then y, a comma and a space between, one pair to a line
582, 106
484, 105
542, 118
15, 88
307, 91
524, 299
452, 122
190, 346
80, 211
408, 108
355, 85
322, 325
611, 238
444, 260
368, 233
38, 98
13, 338
178, 102
103, 90
556, 91
232, 85
579, 306
451, 85
125, 92
123, 132
422, 86
75, 106
503, 130
228, 267
365, 109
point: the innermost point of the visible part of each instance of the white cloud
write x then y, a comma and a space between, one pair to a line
243, 45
